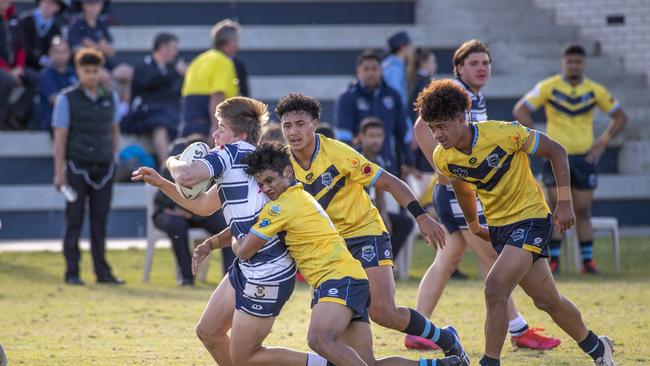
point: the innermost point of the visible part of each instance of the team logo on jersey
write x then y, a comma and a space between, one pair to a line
260, 292
333, 292
326, 179
368, 252
265, 222
493, 161
388, 101
461, 173
273, 210
309, 176
366, 169
518, 234
362, 105
472, 160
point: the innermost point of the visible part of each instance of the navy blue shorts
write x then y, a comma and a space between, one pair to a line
371, 250
583, 174
449, 212
261, 299
347, 291
532, 235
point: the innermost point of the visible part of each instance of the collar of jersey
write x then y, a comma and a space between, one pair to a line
474, 138
316, 151
469, 90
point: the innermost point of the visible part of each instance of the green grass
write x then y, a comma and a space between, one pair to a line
44, 322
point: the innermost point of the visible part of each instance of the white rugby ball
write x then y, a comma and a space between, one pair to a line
191, 153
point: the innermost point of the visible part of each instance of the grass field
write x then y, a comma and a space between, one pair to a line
44, 322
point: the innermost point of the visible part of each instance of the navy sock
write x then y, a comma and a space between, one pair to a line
422, 327
556, 250
587, 249
488, 361
592, 346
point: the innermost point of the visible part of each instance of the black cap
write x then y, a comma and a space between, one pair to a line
398, 40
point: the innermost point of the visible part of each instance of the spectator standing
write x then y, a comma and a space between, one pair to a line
176, 221
368, 96
37, 28
569, 100
86, 139
156, 88
58, 75
371, 139
210, 79
394, 65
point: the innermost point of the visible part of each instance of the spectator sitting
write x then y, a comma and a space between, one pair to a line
17, 84
176, 221
371, 140
326, 130
37, 28
369, 96
272, 132
91, 29
54, 78
210, 79
156, 91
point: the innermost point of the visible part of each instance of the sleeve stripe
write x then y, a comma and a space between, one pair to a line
374, 180
529, 105
532, 152
616, 107
208, 165
257, 233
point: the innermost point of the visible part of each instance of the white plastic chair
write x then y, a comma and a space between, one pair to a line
571, 242
154, 235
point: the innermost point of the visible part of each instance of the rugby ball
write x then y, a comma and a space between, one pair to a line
195, 151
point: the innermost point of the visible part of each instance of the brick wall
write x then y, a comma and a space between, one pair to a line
629, 40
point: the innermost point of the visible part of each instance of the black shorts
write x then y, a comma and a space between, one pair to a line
347, 291
583, 173
371, 250
449, 212
533, 235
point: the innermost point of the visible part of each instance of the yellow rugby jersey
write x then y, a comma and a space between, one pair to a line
336, 178
301, 223
570, 110
209, 73
498, 171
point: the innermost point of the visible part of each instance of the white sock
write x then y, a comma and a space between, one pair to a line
315, 360
517, 326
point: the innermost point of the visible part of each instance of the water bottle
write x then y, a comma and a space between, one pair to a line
69, 193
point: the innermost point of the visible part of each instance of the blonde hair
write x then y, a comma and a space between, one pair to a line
244, 115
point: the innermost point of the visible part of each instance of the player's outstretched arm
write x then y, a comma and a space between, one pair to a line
548, 148
467, 202
248, 246
187, 174
204, 205
425, 140
523, 113
430, 229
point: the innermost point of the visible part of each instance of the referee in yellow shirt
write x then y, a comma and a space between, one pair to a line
210, 79
569, 101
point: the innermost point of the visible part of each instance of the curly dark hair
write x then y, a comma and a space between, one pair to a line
270, 155
442, 100
296, 102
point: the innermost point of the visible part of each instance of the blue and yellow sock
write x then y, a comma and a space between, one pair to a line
422, 327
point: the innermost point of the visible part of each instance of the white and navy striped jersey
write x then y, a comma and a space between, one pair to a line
241, 201
478, 112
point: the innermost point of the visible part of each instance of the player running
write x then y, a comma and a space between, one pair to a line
490, 159
336, 176
472, 66
339, 329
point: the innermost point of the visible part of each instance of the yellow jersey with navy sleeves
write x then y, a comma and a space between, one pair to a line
498, 170
317, 248
336, 177
209, 73
570, 110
